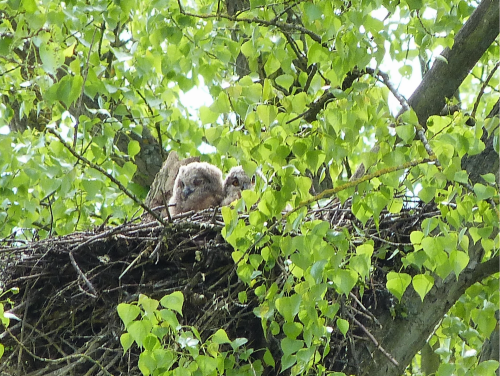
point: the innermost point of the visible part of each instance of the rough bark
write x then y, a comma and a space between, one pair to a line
445, 77
402, 338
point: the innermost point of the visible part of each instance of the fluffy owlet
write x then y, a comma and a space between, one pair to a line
236, 181
197, 186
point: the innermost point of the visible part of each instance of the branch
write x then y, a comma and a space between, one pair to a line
446, 75
315, 107
110, 177
351, 184
280, 25
481, 92
80, 273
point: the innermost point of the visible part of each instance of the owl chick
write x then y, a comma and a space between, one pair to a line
236, 181
197, 186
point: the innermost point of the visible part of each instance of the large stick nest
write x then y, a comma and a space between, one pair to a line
70, 287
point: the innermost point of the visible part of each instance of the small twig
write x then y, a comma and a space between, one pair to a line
365, 309
276, 23
136, 259
110, 177
156, 250
401, 99
483, 87
427, 146
80, 273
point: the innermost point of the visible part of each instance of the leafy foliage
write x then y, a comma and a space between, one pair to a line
303, 115
169, 348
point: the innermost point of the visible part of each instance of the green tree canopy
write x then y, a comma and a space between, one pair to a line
96, 93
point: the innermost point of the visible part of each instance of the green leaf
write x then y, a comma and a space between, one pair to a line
483, 192
133, 148
343, 326
67, 90
2, 351
285, 80
422, 283
459, 260
485, 319
267, 114
291, 346
461, 177
126, 341
147, 362
173, 301
139, 330
292, 329
427, 194
288, 307
312, 12
489, 178
238, 342
151, 342
52, 58
344, 280
406, 132
397, 283
487, 368
207, 364
170, 318
220, 337
207, 116
128, 312
268, 359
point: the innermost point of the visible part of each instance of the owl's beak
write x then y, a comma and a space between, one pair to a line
187, 191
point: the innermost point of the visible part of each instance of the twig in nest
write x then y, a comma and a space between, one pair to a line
156, 250
80, 273
137, 259
78, 357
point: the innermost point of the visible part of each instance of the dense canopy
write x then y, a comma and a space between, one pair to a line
369, 245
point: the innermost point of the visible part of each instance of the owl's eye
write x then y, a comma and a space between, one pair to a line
236, 182
182, 185
197, 182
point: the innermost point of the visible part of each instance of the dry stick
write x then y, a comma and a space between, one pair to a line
375, 342
110, 177
138, 258
59, 360
365, 309
80, 273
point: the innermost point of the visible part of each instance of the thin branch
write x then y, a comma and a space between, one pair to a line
80, 273
280, 25
110, 177
481, 92
401, 99
351, 184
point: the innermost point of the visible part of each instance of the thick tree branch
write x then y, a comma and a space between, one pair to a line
445, 77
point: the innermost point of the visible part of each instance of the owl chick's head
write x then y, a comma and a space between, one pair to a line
198, 186
236, 181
